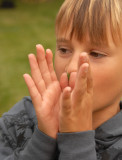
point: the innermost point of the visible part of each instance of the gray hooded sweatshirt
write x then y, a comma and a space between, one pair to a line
20, 138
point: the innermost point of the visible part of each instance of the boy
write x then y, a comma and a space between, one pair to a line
77, 117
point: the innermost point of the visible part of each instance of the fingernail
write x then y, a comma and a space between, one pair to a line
48, 50
38, 45
24, 75
83, 54
84, 57
29, 55
69, 89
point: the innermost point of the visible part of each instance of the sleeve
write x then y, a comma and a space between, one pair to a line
20, 138
77, 145
39, 147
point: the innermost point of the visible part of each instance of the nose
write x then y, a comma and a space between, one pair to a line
72, 65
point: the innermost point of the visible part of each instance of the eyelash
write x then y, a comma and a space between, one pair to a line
64, 51
94, 54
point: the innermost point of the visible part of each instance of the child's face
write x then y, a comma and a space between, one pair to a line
106, 67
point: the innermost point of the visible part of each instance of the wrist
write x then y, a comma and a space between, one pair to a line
51, 134
75, 124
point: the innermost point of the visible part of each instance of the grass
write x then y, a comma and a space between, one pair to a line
21, 29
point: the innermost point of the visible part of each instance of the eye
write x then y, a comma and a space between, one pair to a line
97, 54
64, 50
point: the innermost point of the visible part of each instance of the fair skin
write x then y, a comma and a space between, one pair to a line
44, 90
105, 69
92, 94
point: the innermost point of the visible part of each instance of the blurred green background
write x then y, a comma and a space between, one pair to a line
21, 28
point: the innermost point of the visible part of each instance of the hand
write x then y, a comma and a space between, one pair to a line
44, 90
76, 101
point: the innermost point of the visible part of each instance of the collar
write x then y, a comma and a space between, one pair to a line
111, 128
109, 132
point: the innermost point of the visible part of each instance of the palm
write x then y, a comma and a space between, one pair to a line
44, 90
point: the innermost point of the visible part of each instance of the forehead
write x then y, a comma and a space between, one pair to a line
99, 19
65, 38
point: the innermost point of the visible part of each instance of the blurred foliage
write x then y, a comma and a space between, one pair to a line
21, 29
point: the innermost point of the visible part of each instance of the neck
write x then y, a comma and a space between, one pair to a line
103, 115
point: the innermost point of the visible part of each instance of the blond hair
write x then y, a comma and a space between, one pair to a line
91, 17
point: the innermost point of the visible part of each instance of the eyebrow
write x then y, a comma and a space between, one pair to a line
63, 40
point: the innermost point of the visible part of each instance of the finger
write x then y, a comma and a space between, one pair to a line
63, 81
43, 65
89, 81
36, 75
36, 97
49, 58
81, 83
83, 58
65, 101
72, 79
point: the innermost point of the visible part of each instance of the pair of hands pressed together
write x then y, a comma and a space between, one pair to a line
60, 106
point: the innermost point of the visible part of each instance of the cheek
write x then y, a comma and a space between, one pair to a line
102, 80
107, 85
108, 78
59, 66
